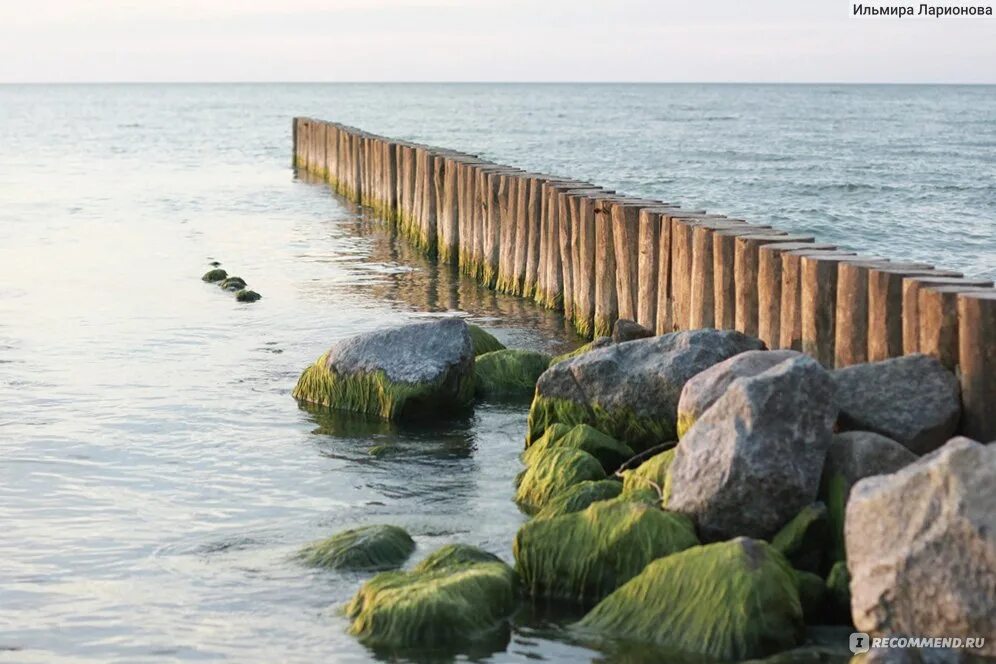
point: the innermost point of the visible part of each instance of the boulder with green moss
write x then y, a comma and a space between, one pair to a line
730, 600
484, 341
361, 549
600, 342
707, 387
652, 473
246, 295
583, 556
609, 451
449, 606
805, 540
214, 276
233, 284
630, 391
579, 497
509, 373
454, 555
416, 370
552, 472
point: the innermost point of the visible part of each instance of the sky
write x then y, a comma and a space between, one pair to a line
488, 40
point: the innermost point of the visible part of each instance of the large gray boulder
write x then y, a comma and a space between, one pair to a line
913, 399
630, 391
754, 459
853, 456
921, 547
417, 369
707, 387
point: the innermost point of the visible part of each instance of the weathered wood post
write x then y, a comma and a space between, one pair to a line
507, 202
769, 287
746, 271
938, 310
523, 232
911, 286
583, 213
790, 334
577, 256
885, 307
625, 239
530, 205
448, 230
606, 304
977, 360
651, 222
680, 281
701, 284
851, 316
724, 270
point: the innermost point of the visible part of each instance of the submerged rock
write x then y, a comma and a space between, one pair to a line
421, 369
484, 341
247, 296
450, 605
233, 284
913, 399
627, 330
853, 456
509, 373
921, 547
731, 600
805, 540
579, 497
583, 556
754, 459
212, 276
706, 388
552, 472
361, 549
609, 451
630, 391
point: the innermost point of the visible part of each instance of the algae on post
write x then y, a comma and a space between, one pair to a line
583, 556
358, 549
731, 600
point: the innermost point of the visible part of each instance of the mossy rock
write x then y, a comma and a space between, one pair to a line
212, 276
622, 423
584, 556
812, 593
553, 472
652, 473
454, 555
730, 600
838, 593
509, 373
448, 607
246, 295
609, 451
484, 341
233, 284
805, 539
601, 342
579, 497
549, 437
361, 549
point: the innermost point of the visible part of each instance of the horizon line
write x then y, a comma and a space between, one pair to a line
490, 82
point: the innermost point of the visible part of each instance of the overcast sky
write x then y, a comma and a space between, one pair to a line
486, 40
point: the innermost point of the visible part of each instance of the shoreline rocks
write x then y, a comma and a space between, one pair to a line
370, 548
508, 373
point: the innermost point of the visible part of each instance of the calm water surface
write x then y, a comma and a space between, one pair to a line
155, 476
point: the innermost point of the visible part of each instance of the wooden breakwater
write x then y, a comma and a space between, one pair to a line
600, 256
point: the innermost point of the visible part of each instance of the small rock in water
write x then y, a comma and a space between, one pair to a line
628, 330
913, 399
247, 296
233, 284
359, 549
921, 547
215, 263
212, 276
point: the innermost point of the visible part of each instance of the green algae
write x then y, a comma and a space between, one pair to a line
651, 473
447, 607
838, 593
374, 394
579, 497
834, 493
484, 341
812, 591
730, 600
245, 295
622, 424
583, 556
212, 276
509, 373
454, 555
552, 472
233, 284
685, 422
580, 350
361, 549
805, 539
609, 451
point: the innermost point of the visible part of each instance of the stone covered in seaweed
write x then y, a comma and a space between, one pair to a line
805, 540
583, 556
246, 295
415, 370
652, 473
609, 451
361, 549
233, 284
451, 606
215, 275
509, 372
484, 341
730, 600
552, 472
454, 555
579, 497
